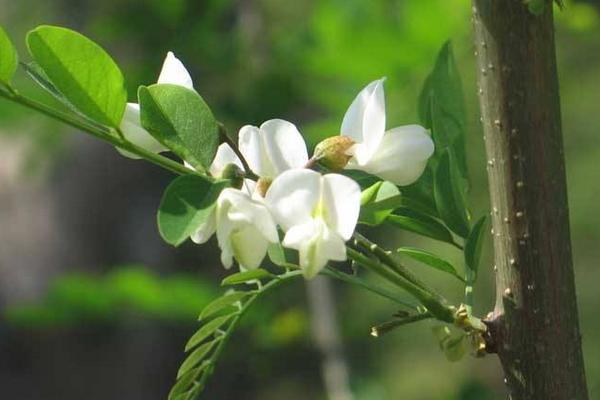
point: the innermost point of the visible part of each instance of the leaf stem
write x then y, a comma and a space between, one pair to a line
469, 278
103, 133
434, 303
333, 273
388, 326
387, 258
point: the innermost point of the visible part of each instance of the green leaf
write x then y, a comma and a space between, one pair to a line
449, 198
39, 76
430, 259
206, 330
445, 84
279, 255
419, 195
222, 303
180, 119
185, 381
187, 202
8, 58
368, 195
442, 107
455, 348
419, 223
246, 276
448, 135
82, 71
381, 204
36, 73
364, 180
473, 246
195, 358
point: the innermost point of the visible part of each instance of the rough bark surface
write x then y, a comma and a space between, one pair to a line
534, 327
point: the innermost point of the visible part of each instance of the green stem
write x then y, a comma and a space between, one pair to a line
469, 278
388, 326
386, 257
102, 133
458, 246
328, 271
225, 137
434, 303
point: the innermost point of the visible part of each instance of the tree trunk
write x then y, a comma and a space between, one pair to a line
534, 328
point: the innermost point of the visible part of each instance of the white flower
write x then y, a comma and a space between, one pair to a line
318, 214
273, 148
244, 229
399, 155
172, 72
240, 218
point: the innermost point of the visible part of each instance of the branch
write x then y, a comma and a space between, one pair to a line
103, 133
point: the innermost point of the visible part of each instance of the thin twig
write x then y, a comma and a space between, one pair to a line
387, 258
389, 326
225, 138
433, 302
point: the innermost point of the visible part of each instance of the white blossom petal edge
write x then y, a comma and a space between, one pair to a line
318, 214
399, 155
273, 148
172, 72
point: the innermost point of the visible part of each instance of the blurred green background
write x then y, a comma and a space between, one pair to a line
94, 305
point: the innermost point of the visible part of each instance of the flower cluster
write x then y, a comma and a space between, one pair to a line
317, 213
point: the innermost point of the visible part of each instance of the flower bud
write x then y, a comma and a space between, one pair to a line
333, 152
234, 174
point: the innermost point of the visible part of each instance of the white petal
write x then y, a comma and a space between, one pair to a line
244, 228
284, 145
249, 247
174, 72
224, 229
299, 234
252, 148
316, 245
332, 247
341, 202
206, 230
293, 196
133, 132
242, 209
365, 121
402, 156
224, 156
226, 255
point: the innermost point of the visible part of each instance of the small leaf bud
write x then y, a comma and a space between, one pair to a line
234, 174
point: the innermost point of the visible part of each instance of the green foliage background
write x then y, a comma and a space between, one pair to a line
303, 61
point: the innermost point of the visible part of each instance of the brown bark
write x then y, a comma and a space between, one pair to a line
534, 327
